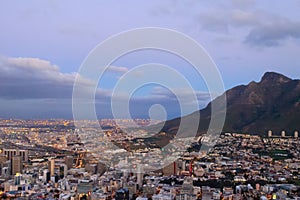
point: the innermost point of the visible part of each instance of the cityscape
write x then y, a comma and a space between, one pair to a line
150, 100
45, 159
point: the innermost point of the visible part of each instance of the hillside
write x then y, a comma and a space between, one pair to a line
271, 104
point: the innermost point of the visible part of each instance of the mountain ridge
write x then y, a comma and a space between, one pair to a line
273, 103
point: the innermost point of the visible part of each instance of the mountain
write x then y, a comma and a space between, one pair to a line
271, 104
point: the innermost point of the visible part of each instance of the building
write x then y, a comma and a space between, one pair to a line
282, 133
140, 176
9, 153
269, 133
16, 165
51, 166
3, 160
46, 176
170, 169
84, 188
296, 134
5, 171
122, 194
17, 179
187, 186
69, 161
101, 168
63, 171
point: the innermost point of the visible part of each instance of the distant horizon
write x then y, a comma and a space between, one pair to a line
134, 118
274, 133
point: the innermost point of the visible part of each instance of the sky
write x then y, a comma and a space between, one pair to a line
44, 43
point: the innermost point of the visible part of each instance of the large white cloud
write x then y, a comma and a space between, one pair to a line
30, 78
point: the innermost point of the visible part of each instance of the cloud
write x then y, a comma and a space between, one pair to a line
38, 85
185, 94
32, 78
235, 18
247, 21
214, 23
115, 69
139, 105
173, 106
243, 3
240, 18
261, 28
273, 34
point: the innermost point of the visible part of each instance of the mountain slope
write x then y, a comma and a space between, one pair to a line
271, 104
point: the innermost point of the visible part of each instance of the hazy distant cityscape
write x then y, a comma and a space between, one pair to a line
45, 159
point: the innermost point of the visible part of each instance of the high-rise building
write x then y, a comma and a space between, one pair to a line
69, 161
9, 153
51, 166
3, 159
282, 133
46, 176
269, 133
296, 134
16, 157
16, 165
63, 171
140, 176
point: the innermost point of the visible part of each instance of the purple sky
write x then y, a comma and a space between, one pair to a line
43, 44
